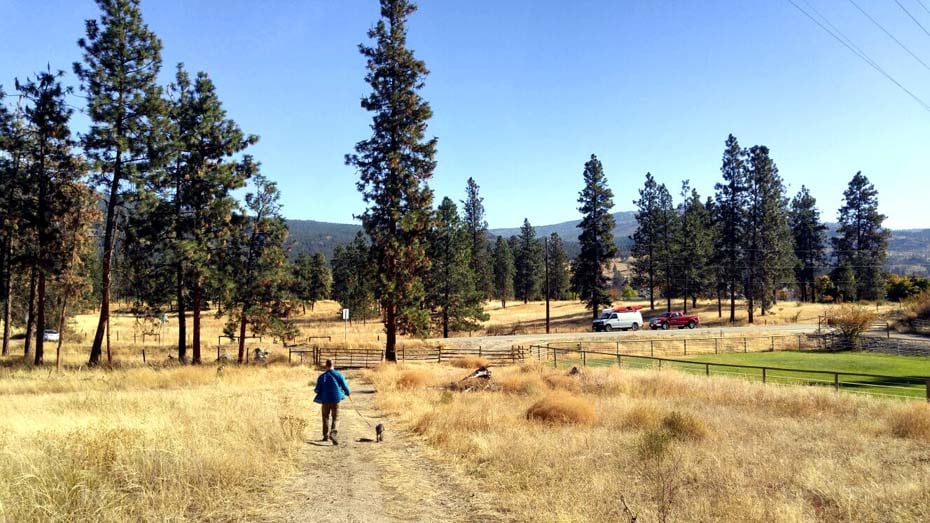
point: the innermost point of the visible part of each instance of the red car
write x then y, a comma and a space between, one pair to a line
674, 319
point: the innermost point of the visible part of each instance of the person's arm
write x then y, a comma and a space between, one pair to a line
316, 389
344, 385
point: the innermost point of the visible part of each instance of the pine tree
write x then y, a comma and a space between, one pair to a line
768, 241
302, 279
353, 279
646, 238
54, 172
10, 150
504, 271
862, 243
394, 166
256, 289
321, 279
809, 242
596, 238
477, 227
730, 219
451, 294
528, 263
559, 277
695, 246
668, 234
199, 181
122, 58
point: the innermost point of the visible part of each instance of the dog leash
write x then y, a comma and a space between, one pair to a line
352, 402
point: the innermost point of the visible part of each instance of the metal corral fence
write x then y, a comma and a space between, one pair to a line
903, 387
357, 357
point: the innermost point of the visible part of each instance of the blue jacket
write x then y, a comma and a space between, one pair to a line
331, 387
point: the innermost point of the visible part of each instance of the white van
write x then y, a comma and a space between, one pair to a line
618, 320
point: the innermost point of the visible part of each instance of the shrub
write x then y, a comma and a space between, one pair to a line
562, 407
522, 384
469, 362
912, 422
851, 321
684, 427
641, 417
563, 382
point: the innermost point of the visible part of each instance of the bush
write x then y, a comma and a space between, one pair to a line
562, 407
684, 427
851, 321
522, 384
912, 423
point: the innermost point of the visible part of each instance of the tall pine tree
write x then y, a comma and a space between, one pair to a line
861, 244
504, 271
730, 219
646, 238
528, 263
809, 242
122, 58
559, 275
477, 226
596, 238
695, 246
452, 296
394, 166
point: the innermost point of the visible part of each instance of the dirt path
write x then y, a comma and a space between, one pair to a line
364, 481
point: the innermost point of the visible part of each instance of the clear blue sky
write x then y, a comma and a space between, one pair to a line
524, 91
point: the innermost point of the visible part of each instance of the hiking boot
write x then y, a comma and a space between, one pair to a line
332, 437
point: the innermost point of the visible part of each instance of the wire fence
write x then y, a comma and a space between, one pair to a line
901, 387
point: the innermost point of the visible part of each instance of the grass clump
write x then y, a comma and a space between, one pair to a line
562, 407
912, 422
682, 426
414, 379
469, 362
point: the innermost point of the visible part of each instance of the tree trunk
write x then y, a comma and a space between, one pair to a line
390, 327
109, 237
30, 314
719, 303
7, 296
61, 329
40, 320
732, 303
195, 345
242, 322
182, 316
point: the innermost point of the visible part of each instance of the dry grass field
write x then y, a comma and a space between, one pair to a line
670, 446
145, 444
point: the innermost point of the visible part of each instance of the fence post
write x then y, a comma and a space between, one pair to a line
439, 353
555, 361
618, 348
799, 343
143, 361
744, 345
763, 375
686, 347
707, 369
773, 344
479, 351
888, 329
836, 380
660, 364
620, 364
715, 345
652, 349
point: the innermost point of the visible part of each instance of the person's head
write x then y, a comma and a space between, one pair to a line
329, 365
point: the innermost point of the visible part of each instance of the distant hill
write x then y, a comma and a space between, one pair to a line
908, 250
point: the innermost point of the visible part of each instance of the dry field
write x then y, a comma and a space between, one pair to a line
146, 444
669, 446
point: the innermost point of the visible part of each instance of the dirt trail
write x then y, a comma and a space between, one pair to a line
364, 481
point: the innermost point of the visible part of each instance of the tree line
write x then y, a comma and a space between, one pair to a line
750, 241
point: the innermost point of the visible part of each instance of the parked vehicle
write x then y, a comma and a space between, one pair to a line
674, 319
611, 319
50, 335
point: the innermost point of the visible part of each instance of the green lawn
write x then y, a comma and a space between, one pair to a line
908, 372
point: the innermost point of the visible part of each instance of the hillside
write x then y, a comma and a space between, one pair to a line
908, 250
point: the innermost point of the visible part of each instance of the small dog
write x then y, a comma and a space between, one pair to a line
379, 432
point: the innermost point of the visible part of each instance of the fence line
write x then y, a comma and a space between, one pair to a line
907, 387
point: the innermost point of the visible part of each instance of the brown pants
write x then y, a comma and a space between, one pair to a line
329, 410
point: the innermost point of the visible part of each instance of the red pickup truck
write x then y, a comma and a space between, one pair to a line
674, 319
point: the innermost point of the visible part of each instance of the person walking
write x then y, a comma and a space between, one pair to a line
331, 388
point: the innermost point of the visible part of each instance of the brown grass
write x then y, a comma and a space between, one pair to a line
562, 407
469, 362
912, 423
415, 379
741, 451
145, 444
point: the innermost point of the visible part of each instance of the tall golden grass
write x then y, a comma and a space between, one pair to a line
674, 447
145, 444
